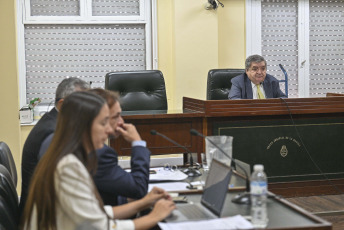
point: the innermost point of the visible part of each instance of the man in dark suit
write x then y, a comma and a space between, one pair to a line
44, 127
112, 181
255, 83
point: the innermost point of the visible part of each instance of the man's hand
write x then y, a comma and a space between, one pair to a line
129, 132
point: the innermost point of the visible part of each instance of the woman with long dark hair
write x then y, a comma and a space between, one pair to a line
62, 193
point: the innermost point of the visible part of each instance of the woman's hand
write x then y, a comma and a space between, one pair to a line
154, 195
162, 209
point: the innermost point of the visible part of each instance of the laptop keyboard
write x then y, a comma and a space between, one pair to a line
193, 212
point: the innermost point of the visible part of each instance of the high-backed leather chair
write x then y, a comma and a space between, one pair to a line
6, 218
9, 204
7, 160
139, 90
219, 82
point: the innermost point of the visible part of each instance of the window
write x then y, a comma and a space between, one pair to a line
305, 36
326, 47
80, 38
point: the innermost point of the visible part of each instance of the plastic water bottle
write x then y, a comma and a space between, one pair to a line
259, 189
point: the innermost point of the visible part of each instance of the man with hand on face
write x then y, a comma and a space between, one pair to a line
255, 83
113, 183
111, 180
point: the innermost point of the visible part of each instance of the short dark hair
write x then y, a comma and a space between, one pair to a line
253, 58
68, 86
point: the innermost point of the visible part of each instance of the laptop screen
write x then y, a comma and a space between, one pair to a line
216, 186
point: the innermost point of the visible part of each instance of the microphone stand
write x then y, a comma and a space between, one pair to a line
190, 171
243, 198
285, 79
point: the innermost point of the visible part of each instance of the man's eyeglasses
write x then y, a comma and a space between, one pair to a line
256, 69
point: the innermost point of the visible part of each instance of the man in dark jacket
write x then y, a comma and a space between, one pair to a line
255, 83
44, 127
113, 183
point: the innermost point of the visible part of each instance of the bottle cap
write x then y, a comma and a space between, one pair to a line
258, 168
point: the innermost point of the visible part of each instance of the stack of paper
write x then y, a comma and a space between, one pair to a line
167, 175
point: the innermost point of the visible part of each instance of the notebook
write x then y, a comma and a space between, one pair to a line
213, 197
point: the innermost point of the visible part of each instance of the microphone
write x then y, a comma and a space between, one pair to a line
191, 172
282, 68
243, 198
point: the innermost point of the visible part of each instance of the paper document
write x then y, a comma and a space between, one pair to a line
176, 186
170, 186
234, 222
167, 175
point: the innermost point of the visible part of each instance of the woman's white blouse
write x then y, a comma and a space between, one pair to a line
76, 203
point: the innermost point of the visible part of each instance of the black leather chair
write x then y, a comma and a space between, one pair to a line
219, 82
9, 204
139, 90
7, 160
6, 219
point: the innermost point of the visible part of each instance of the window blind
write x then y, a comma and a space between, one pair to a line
55, 7
279, 40
55, 52
326, 47
115, 7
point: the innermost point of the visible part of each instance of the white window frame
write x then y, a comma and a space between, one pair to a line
253, 27
148, 17
254, 41
85, 15
303, 46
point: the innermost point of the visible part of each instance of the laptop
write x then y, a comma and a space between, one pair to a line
213, 197
244, 166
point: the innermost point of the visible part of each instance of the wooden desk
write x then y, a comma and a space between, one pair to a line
207, 116
174, 124
264, 133
334, 95
281, 213
285, 136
